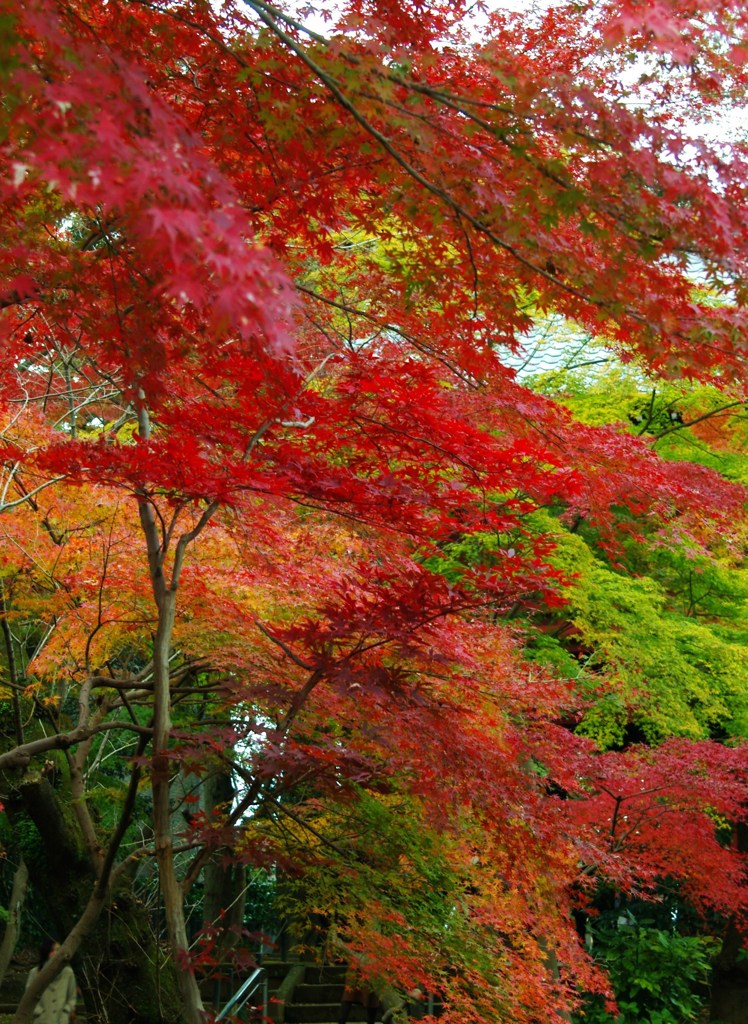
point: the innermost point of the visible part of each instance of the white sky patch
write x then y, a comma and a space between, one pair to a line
476, 17
727, 126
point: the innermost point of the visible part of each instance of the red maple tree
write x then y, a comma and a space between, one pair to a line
260, 284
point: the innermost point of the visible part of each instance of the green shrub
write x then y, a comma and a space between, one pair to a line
658, 976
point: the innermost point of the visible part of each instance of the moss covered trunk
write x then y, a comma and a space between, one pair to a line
121, 970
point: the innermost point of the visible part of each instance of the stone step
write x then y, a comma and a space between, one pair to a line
9, 1009
320, 1013
325, 992
318, 974
7, 1013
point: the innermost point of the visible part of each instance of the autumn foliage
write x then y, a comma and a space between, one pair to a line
277, 503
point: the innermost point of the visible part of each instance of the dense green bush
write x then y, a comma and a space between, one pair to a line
659, 976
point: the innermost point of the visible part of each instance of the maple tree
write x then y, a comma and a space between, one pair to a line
275, 502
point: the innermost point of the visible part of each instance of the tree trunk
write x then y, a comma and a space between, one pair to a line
730, 977
730, 981
224, 889
171, 890
165, 598
123, 968
118, 962
15, 909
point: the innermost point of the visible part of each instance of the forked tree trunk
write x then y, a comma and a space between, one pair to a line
165, 598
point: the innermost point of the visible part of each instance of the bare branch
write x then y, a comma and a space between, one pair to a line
283, 646
28, 495
21, 755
